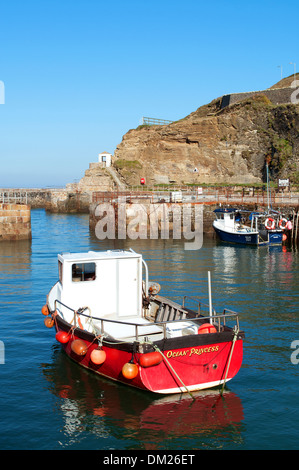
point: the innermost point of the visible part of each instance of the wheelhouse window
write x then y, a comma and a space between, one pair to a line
83, 272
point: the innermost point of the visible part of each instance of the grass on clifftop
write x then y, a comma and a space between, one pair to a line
127, 164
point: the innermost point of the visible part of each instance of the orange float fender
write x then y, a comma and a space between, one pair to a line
150, 359
49, 322
206, 328
45, 310
63, 337
98, 356
79, 347
130, 370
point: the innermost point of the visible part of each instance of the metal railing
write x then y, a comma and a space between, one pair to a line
155, 122
197, 319
199, 194
13, 197
225, 314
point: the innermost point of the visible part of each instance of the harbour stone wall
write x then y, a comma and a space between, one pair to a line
275, 95
15, 222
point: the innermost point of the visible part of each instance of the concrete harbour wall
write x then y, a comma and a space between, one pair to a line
53, 200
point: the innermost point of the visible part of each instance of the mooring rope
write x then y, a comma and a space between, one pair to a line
166, 360
236, 332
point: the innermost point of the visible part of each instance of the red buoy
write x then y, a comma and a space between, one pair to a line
63, 337
98, 356
150, 359
79, 347
130, 370
49, 322
45, 310
206, 328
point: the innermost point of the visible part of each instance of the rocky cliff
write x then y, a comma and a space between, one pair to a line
213, 145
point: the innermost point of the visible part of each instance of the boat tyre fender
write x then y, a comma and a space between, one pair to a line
269, 223
283, 223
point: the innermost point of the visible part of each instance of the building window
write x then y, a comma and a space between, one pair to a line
83, 272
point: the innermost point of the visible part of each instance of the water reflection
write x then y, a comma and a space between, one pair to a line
15, 255
15, 272
93, 405
79, 409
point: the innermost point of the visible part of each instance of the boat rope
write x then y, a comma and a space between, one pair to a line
166, 360
236, 332
54, 315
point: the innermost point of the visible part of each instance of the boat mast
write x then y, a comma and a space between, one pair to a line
210, 296
267, 173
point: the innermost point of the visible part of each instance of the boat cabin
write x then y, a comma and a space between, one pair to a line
103, 293
110, 283
228, 216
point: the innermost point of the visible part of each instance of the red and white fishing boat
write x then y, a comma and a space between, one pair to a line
111, 320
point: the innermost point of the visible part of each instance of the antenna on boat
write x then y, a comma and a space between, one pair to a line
267, 174
210, 296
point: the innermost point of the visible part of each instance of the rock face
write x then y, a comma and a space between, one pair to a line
96, 178
213, 145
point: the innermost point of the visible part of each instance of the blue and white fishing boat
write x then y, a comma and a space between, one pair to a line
252, 228
249, 228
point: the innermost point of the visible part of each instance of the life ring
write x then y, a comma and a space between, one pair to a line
270, 223
283, 223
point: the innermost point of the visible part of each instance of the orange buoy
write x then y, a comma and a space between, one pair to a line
206, 328
130, 370
63, 337
284, 237
49, 322
45, 310
98, 356
79, 347
150, 359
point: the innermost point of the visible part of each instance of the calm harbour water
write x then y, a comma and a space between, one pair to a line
48, 402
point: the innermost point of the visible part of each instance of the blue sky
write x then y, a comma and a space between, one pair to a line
79, 74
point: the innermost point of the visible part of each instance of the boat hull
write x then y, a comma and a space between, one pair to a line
189, 363
245, 238
273, 237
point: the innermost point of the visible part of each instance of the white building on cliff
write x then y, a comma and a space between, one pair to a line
105, 158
